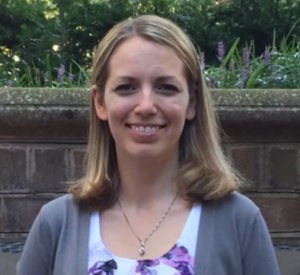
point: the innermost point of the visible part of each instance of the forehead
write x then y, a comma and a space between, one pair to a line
141, 58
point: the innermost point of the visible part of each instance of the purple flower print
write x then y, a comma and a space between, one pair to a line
179, 259
143, 267
103, 268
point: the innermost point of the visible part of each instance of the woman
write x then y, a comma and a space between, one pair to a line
158, 196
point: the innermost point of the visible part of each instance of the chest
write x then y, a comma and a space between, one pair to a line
127, 238
174, 253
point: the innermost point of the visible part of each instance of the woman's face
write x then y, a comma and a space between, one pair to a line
146, 100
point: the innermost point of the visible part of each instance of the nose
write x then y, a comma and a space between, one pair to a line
146, 103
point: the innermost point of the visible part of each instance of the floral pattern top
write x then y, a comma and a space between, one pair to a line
179, 260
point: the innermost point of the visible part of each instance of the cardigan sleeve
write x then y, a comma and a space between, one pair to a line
36, 256
258, 255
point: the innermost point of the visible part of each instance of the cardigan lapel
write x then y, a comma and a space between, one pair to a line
81, 261
204, 239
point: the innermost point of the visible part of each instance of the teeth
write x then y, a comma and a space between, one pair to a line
147, 129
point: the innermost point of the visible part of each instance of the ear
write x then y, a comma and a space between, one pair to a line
191, 109
99, 103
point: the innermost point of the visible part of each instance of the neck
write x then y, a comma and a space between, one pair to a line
147, 181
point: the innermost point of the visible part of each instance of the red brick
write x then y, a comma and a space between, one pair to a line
246, 160
13, 168
48, 169
18, 213
281, 212
281, 168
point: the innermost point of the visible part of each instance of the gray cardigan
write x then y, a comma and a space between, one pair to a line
233, 240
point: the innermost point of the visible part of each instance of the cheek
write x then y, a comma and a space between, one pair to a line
177, 109
116, 111
115, 114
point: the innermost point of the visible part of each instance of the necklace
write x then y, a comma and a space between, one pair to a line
142, 249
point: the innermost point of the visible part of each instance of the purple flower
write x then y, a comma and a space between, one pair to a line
244, 72
243, 77
267, 57
221, 50
9, 83
212, 83
245, 57
61, 72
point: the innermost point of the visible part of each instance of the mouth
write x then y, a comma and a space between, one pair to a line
147, 129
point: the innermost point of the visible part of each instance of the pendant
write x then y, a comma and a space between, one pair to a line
142, 249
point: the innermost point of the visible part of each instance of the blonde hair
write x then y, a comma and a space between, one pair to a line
204, 172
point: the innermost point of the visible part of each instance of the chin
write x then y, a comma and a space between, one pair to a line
146, 152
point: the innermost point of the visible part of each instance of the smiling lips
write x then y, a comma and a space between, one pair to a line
147, 129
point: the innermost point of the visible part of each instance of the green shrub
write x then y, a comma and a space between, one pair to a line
30, 28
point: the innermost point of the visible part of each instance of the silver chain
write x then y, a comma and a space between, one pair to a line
142, 249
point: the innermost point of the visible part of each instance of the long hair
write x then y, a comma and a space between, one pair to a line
203, 171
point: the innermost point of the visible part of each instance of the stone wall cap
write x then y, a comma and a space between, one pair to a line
257, 97
44, 96
80, 97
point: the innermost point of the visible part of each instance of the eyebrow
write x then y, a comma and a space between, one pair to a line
159, 78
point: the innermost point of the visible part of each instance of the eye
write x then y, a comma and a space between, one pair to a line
125, 89
167, 89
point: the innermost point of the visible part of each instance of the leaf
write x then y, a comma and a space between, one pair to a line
82, 70
230, 53
250, 83
49, 71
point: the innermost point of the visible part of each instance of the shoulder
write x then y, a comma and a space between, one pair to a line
239, 203
61, 203
57, 210
233, 216
236, 207
64, 201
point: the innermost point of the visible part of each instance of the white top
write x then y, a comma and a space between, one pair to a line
178, 260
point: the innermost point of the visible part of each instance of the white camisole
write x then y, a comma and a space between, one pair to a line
179, 260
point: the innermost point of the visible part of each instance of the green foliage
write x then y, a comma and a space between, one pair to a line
255, 20
276, 68
35, 32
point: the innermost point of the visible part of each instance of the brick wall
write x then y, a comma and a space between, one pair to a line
43, 140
